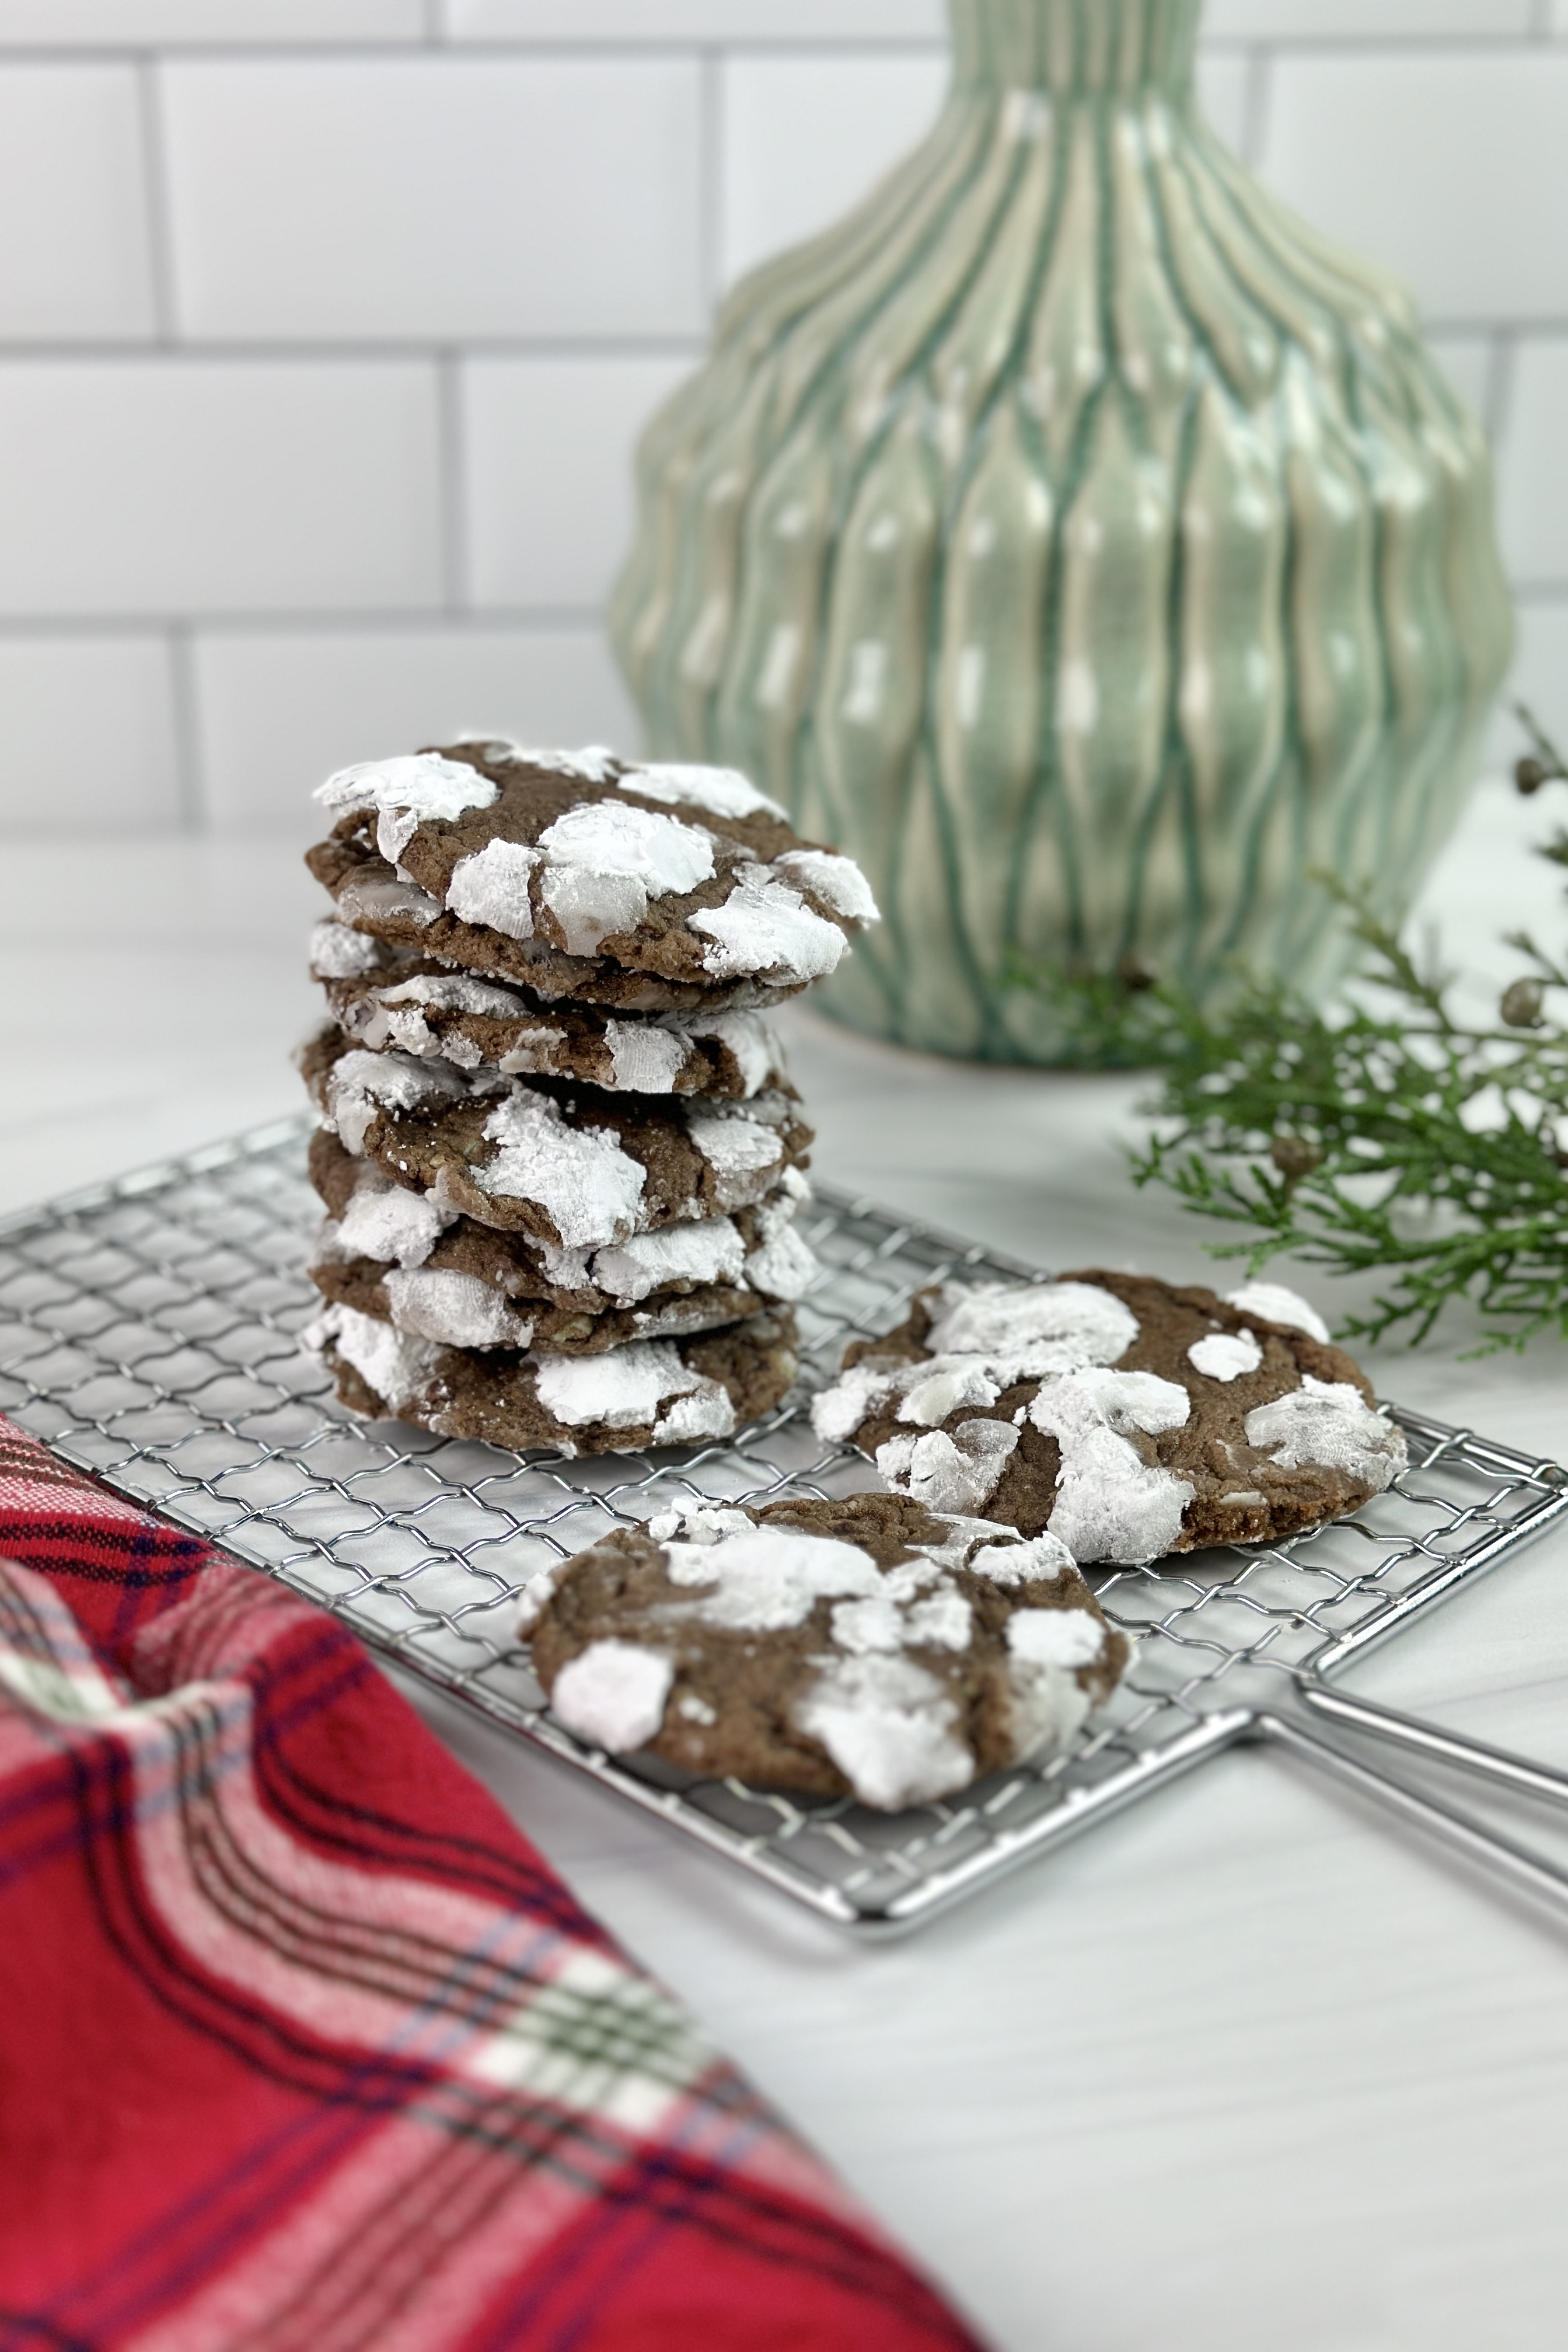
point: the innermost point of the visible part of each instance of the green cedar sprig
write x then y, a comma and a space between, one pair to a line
1383, 1137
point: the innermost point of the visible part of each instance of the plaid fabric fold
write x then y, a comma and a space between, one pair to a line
304, 2049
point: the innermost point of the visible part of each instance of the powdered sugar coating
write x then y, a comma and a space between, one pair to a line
840, 1409
1272, 1303
394, 1017
645, 1058
762, 1580
743, 1153
888, 1725
1056, 1637
983, 1337
340, 952
1109, 1505
626, 1388
950, 1473
758, 1054
1226, 1354
384, 1221
393, 1363
595, 762
491, 886
605, 860
1330, 1423
408, 790
1021, 1561
863, 1627
588, 1187
457, 1310
360, 1084
1025, 1332
946, 1385
383, 897
784, 1266
766, 927
1050, 1705
723, 791
613, 1695
709, 1251
836, 881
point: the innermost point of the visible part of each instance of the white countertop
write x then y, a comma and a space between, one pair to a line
1249, 2065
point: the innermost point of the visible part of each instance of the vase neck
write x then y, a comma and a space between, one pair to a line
1076, 47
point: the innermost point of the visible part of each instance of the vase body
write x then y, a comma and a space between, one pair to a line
1078, 542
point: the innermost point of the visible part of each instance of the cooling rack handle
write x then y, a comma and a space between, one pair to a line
1426, 1740
1524, 1870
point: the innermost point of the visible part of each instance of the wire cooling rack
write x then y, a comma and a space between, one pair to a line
148, 1332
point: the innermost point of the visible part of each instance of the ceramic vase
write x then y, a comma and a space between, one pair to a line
1078, 542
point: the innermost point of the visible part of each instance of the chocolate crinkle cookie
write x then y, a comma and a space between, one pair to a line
650, 1392
388, 1000
868, 1647
389, 1252
1124, 1416
573, 1166
635, 887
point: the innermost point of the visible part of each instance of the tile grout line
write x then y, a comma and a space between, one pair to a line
826, 46
453, 477
1502, 368
308, 621
295, 351
1255, 111
155, 195
188, 778
712, 216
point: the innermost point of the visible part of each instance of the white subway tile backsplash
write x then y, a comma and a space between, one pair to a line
1533, 480
137, 22
1224, 83
1539, 680
1367, 20
277, 713
87, 736
75, 258
1467, 362
532, 200
805, 137
696, 20
435, 197
549, 446
1452, 170
171, 486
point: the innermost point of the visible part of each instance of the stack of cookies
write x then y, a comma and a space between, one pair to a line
560, 1151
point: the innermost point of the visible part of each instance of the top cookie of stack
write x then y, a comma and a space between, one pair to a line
561, 1153
577, 875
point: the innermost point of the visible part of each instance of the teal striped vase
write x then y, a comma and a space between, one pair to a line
1079, 542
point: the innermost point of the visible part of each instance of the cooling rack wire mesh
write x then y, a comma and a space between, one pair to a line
148, 1333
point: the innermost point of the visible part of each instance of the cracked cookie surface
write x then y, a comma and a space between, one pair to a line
689, 1390
1128, 1416
864, 1647
640, 887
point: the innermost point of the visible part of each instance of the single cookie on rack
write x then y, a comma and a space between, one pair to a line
642, 887
866, 1647
574, 1167
683, 1391
1126, 1416
390, 1000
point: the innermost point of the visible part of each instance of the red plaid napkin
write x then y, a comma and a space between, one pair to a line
303, 2048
